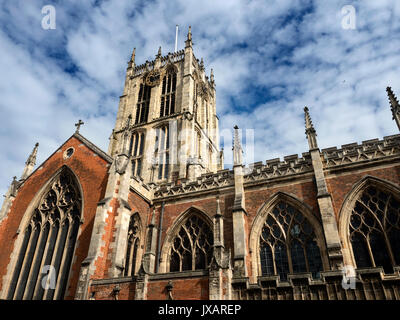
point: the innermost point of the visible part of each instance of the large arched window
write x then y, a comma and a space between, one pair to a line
192, 246
168, 93
132, 250
142, 107
136, 150
375, 229
48, 243
288, 243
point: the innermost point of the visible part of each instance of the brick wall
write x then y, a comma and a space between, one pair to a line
183, 289
106, 291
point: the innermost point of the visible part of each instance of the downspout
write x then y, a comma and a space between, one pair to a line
159, 237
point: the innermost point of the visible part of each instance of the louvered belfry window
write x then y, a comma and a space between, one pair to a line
288, 243
133, 245
168, 94
192, 247
136, 150
48, 240
375, 230
142, 107
161, 151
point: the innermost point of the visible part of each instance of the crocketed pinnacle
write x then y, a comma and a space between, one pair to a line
237, 148
188, 41
32, 157
310, 131
131, 62
394, 106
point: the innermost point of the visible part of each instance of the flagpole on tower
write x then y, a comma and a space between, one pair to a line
176, 39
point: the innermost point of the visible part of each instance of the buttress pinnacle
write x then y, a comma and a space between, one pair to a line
394, 106
32, 157
310, 131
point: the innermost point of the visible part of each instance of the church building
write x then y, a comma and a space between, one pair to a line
158, 217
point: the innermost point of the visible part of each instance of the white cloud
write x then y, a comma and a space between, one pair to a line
270, 59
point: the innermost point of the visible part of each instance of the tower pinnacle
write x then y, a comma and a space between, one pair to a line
310, 131
132, 61
201, 64
188, 41
394, 106
212, 77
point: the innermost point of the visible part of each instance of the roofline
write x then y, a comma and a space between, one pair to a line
92, 146
86, 142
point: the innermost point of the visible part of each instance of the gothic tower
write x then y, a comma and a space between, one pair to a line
167, 118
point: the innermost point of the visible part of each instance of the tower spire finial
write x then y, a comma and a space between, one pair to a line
132, 61
133, 55
394, 106
310, 131
188, 41
159, 53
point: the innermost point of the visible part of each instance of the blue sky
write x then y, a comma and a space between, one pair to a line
270, 59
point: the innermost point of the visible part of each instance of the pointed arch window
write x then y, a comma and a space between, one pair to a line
132, 250
142, 107
288, 243
161, 151
168, 90
192, 246
48, 243
136, 150
375, 229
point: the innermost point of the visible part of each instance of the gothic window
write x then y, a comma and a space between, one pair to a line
133, 245
288, 243
142, 107
375, 230
162, 151
192, 247
168, 94
48, 243
136, 150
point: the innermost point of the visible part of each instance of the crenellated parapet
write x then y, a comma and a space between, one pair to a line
149, 65
274, 168
291, 165
210, 181
366, 151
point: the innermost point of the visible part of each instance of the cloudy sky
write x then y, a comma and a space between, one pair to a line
270, 59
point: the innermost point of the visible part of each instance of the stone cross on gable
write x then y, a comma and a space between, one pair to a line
78, 125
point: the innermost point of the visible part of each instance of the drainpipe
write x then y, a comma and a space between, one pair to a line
159, 237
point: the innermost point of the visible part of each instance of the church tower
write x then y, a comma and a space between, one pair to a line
167, 118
